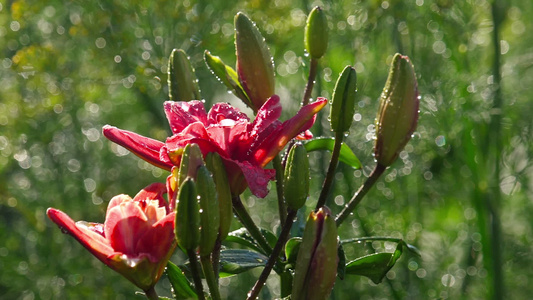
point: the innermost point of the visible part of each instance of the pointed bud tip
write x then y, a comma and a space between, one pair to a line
398, 112
316, 33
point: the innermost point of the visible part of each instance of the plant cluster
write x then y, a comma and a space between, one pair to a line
214, 156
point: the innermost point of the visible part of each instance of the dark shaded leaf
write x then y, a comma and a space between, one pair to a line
269, 236
341, 266
242, 237
235, 261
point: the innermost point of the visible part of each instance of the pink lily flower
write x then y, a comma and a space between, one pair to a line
246, 147
136, 239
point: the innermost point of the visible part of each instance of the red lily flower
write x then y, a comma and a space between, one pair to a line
136, 239
246, 147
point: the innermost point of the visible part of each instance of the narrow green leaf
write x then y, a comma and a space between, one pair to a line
324, 143
271, 238
227, 76
374, 266
235, 261
409, 247
181, 286
242, 237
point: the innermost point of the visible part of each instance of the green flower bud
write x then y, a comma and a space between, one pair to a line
254, 61
343, 103
398, 111
187, 225
182, 83
296, 183
316, 264
191, 159
216, 166
227, 76
209, 211
316, 33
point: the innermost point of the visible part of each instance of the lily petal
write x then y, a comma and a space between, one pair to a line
92, 241
124, 224
257, 178
158, 239
181, 114
289, 129
266, 115
155, 191
221, 111
145, 148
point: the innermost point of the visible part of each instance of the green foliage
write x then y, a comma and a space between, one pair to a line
181, 286
235, 261
69, 68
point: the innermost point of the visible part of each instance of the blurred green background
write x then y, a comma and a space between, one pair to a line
462, 191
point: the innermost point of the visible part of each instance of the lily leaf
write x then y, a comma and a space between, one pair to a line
227, 75
270, 237
412, 249
374, 266
242, 237
324, 143
235, 261
181, 286
291, 249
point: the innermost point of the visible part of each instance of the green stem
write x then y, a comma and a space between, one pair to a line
282, 208
274, 256
372, 238
370, 181
310, 81
495, 138
249, 224
209, 274
330, 175
285, 279
195, 273
151, 294
215, 258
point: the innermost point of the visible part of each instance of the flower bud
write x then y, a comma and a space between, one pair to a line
187, 225
227, 76
316, 264
254, 62
216, 166
296, 183
182, 83
316, 33
343, 103
398, 111
209, 211
191, 159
